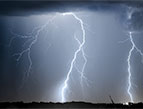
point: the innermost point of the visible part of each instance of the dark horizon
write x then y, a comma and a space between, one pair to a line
68, 105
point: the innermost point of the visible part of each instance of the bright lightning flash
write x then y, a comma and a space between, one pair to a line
130, 53
80, 48
134, 47
32, 39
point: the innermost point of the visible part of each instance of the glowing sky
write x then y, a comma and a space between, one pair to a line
107, 26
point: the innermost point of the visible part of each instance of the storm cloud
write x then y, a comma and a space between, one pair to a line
22, 8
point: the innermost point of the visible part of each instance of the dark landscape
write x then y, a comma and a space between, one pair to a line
17, 105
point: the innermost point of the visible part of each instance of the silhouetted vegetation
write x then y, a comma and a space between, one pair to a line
7, 105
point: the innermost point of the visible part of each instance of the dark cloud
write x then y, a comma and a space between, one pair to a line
136, 21
36, 7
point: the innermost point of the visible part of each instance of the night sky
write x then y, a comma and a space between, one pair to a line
107, 25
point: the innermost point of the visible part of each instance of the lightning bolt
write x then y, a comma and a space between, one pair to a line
130, 53
129, 67
32, 38
82, 75
134, 47
80, 48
